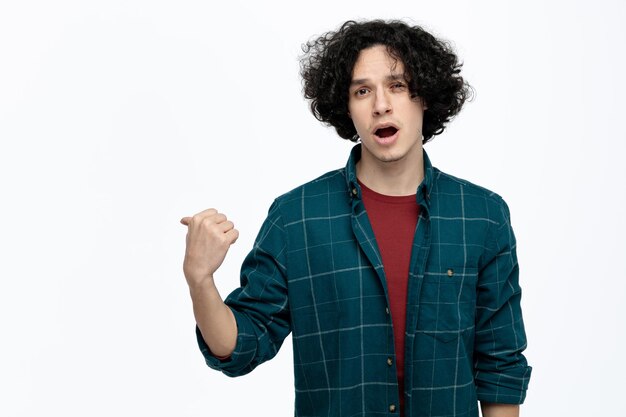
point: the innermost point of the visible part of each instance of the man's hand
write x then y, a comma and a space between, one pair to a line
209, 236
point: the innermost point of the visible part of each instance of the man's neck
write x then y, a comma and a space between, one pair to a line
395, 178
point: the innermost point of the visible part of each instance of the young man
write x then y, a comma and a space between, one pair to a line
399, 282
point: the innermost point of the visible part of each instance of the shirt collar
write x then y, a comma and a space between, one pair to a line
423, 190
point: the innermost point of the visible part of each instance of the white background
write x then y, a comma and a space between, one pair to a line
117, 118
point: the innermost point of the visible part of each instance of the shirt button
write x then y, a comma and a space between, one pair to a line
450, 272
389, 361
354, 191
386, 310
392, 408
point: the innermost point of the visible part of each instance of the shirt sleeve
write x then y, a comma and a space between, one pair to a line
260, 304
501, 370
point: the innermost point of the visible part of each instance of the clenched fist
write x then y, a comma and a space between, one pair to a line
209, 236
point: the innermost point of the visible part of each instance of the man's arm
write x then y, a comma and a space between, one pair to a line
501, 370
209, 236
499, 410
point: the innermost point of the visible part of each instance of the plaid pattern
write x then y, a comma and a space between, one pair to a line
315, 270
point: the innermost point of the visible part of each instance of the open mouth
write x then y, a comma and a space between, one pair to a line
386, 132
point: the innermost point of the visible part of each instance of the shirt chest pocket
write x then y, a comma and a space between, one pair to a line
447, 303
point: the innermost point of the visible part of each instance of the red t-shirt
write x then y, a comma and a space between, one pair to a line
393, 219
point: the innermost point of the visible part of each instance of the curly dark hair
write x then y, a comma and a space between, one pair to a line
432, 72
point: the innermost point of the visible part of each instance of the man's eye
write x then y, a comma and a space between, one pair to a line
397, 86
361, 91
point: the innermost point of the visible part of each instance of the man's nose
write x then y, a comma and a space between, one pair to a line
382, 105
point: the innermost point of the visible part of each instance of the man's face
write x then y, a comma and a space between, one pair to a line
386, 119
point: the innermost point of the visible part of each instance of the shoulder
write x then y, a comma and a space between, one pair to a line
324, 194
473, 199
449, 183
332, 182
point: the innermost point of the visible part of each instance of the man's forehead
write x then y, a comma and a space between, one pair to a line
376, 60
394, 76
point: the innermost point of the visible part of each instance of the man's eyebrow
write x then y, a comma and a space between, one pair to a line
390, 77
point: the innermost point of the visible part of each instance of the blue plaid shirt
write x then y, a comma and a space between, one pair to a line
315, 270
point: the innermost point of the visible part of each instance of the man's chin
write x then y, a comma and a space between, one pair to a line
389, 157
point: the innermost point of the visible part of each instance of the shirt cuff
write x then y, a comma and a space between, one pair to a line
503, 387
239, 362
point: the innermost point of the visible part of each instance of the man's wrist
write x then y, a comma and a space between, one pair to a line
202, 289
